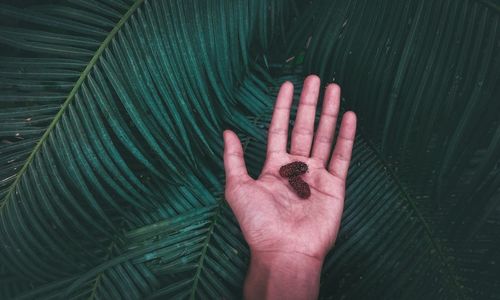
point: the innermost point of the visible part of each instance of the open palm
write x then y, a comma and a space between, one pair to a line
271, 215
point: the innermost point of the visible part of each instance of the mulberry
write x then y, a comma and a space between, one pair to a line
292, 171
295, 168
300, 186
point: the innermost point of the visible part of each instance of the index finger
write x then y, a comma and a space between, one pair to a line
278, 130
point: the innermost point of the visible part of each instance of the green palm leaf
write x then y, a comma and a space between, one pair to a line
111, 112
423, 77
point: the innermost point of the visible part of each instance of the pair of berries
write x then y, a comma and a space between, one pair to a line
292, 171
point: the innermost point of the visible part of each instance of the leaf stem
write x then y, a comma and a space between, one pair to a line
204, 250
101, 274
69, 100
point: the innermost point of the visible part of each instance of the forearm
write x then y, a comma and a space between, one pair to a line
282, 276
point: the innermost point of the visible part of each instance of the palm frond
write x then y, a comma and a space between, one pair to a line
111, 111
424, 77
109, 133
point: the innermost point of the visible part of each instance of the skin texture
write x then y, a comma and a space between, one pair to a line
289, 237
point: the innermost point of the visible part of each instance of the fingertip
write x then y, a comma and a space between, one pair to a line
287, 85
229, 138
348, 126
350, 117
313, 78
333, 88
313, 82
229, 133
225, 134
285, 95
332, 96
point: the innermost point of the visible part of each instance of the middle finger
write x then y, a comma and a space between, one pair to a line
303, 129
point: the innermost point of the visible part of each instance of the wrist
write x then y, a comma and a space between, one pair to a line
275, 275
286, 261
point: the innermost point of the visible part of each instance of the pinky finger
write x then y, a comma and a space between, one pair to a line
341, 157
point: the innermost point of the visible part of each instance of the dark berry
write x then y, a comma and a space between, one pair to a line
295, 168
300, 187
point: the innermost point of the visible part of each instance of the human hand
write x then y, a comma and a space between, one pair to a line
272, 217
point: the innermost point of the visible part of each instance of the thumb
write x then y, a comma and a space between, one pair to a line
234, 163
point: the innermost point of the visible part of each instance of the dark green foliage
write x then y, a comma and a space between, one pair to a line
424, 78
111, 114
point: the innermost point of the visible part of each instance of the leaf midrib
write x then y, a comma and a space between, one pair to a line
427, 228
203, 253
69, 99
